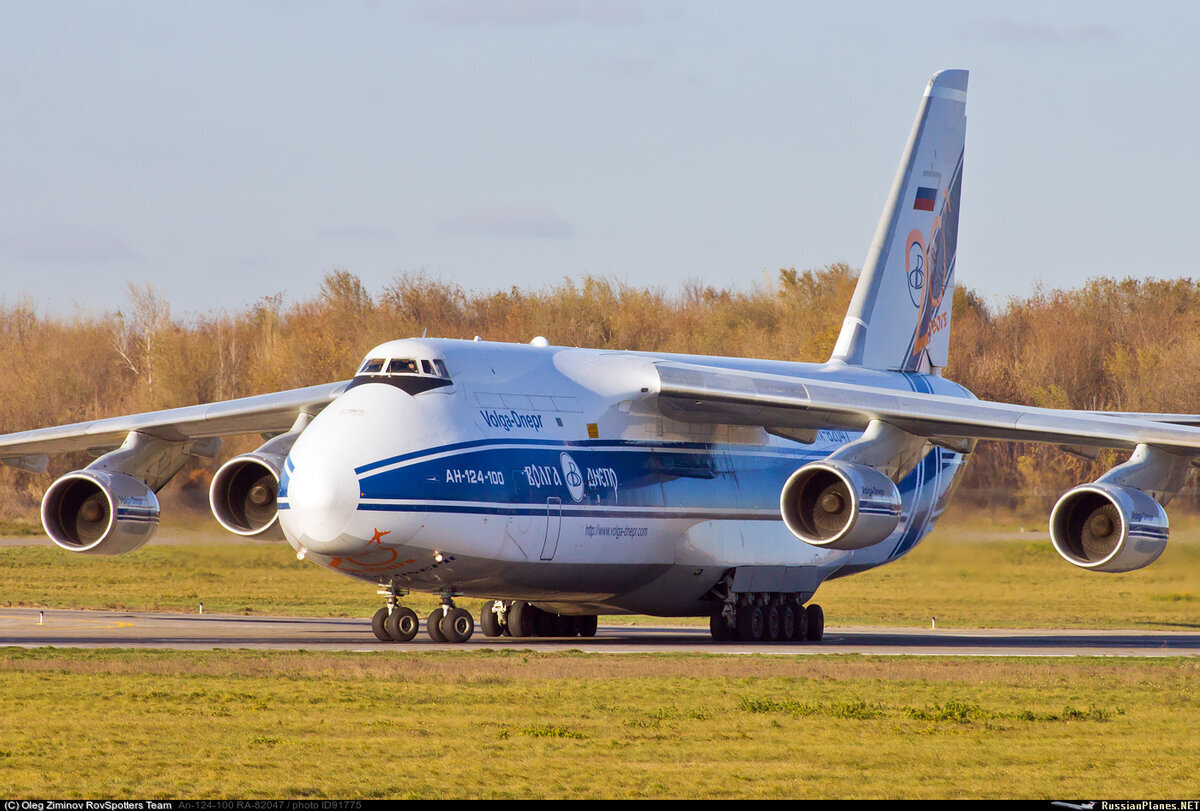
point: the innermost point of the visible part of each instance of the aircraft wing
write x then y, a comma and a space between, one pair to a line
694, 393
264, 413
1173, 419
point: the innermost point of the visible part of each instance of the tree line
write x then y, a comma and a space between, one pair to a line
1122, 345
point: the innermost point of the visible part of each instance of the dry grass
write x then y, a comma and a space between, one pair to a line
497, 725
957, 575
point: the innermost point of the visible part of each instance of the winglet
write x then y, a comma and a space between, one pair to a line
899, 318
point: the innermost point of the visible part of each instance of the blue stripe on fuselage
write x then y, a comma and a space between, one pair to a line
620, 477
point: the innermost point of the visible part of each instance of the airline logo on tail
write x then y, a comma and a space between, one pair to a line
929, 264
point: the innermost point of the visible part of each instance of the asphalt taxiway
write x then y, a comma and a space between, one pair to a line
29, 627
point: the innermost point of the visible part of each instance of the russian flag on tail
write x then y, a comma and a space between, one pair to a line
925, 199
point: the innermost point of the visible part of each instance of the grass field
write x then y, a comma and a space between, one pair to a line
962, 574
520, 724
523, 724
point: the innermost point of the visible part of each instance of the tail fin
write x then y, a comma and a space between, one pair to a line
899, 318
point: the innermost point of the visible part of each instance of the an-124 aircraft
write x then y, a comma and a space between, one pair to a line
562, 483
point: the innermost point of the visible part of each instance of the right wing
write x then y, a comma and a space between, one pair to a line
265, 413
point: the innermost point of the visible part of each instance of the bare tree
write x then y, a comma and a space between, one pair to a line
135, 338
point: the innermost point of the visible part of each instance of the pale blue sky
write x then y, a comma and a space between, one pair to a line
228, 150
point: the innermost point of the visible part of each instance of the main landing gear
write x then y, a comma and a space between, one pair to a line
521, 619
397, 623
763, 617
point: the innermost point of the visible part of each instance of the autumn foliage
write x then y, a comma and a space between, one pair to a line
1131, 345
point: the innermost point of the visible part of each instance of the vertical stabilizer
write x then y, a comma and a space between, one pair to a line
899, 318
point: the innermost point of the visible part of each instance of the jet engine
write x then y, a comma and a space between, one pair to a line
244, 495
99, 512
1108, 527
840, 505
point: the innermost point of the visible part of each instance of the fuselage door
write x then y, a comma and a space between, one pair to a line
553, 527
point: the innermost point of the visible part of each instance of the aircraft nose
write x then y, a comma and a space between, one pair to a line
322, 499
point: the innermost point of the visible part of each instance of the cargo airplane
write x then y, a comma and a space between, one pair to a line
561, 483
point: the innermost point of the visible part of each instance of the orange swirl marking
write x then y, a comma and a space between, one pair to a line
336, 563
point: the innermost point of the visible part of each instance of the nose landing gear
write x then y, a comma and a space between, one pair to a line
397, 623
455, 625
448, 623
394, 622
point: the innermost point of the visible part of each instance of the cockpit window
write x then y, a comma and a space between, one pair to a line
384, 368
412, 375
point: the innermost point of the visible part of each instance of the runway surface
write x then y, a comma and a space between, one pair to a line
26, 627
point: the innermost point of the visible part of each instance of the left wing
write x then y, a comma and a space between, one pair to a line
849, 500
695, 393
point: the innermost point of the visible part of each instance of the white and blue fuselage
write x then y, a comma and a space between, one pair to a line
547, 474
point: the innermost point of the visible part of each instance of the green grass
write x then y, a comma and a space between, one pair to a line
521, 724
16, 528
496, 724
965, 580
959, 575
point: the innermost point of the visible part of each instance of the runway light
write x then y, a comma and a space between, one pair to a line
201, 608
437, 556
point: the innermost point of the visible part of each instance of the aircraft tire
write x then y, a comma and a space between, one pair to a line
719, 628
750, 623
800, 633
377, 625
433, 625
546, 623
402, 624
520, 619
816, 623
564, 626
587, 626
458, 625
787, 623
489, 623
771, 624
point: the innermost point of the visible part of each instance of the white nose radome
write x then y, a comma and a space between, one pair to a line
322, 499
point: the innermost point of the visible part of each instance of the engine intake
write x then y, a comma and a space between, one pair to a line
244, 495
1108, 528
840, 505
97, 512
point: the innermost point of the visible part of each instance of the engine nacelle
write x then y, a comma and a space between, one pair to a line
840, 505
98, 512
1108, 528
244, 495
